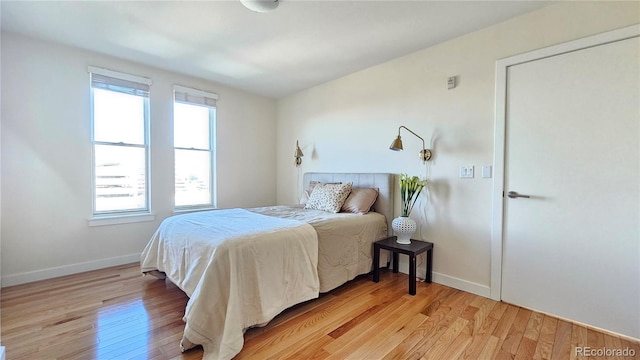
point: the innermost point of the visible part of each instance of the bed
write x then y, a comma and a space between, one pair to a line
242, 267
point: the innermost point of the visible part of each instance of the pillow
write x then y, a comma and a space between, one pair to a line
360, 200
328, 197
309, 190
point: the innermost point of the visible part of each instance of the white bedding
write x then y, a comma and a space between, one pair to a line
239, 268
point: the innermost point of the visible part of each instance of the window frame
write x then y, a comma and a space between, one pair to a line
208, 100
109, 217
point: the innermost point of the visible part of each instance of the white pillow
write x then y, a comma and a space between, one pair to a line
328, 197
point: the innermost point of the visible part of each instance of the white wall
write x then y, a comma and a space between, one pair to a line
348, 125
2, 347
46, 159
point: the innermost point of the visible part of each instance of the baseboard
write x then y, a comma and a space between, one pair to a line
599, 329
49, 273
450, 281
460, 284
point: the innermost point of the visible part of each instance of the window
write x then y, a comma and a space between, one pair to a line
120, 136
194, 118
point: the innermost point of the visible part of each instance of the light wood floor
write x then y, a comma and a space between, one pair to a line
116, 313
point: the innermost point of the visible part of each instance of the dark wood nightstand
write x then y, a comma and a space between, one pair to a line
416, 247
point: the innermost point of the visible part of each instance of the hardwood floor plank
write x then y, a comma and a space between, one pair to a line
484, 323
516, 332
490, 347
346, 327
391, 342
613, 342
338, 312
118, 313
533, 327
438, 308
359, 334
547, 338
578, 339
477, 322
595, 340
458, 346
470, 311
312, 350
292, 313
398, 321
562, 342
526, 350
453, 309
506, 320
440, 347
504, 324
630, 346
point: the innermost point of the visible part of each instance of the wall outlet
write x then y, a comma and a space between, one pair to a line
466, 172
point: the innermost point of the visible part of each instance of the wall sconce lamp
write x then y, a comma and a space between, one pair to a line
396, 145
298, 155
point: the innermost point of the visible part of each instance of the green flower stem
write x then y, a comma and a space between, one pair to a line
410, 189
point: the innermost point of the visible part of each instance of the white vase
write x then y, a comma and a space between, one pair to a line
404, 228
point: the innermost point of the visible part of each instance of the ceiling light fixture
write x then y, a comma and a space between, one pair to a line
260, 5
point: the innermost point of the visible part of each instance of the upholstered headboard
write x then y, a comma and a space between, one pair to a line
383, 181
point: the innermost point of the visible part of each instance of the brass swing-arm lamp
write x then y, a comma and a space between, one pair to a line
298, 155
396, 145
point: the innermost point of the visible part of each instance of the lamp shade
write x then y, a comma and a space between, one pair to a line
396, 145
260, 5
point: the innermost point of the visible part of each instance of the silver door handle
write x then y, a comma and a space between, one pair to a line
513, 195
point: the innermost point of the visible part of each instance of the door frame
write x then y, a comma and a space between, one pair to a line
502, 66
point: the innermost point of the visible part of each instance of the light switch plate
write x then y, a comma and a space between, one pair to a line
466, 172
486, 171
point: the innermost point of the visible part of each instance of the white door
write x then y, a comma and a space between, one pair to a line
571, 248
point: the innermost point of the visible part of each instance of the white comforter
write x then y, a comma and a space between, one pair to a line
239, 268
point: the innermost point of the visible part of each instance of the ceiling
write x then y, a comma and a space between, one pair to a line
299, 45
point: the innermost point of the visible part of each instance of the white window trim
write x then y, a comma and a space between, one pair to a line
121, 219
195, 92
190, 209
212, 150
122, 216
120, 75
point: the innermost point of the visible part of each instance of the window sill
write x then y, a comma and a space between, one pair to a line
193, 209
120, 219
